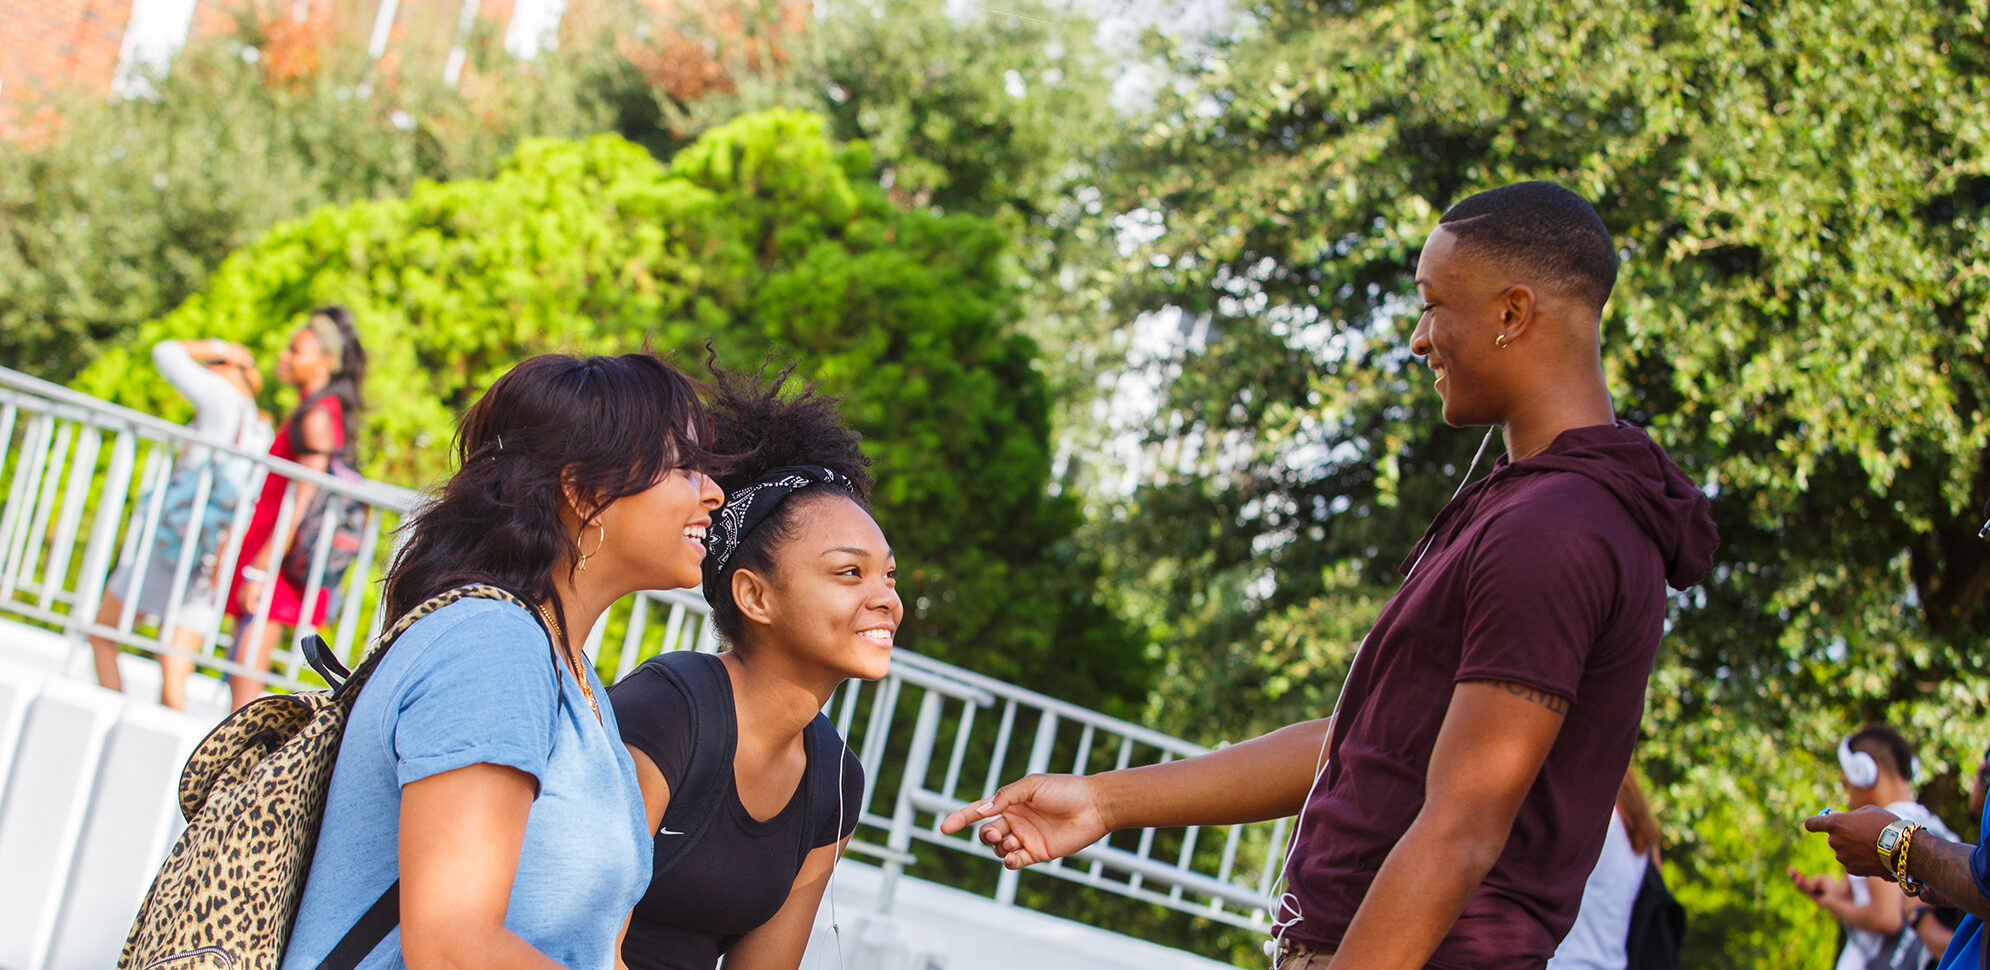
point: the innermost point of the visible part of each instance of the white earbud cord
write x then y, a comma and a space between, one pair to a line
835, 928
1285, 913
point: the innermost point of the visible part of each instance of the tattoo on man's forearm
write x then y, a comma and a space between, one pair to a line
1944, 866
1552, 702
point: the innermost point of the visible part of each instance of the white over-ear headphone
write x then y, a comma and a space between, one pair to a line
1861, 771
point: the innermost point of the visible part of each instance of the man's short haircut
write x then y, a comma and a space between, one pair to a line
1544, 232
1887, 747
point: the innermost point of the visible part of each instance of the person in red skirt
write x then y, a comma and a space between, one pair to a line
326, 364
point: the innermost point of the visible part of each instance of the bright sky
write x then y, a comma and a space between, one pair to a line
1121, 24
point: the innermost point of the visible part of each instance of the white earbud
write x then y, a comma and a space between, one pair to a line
1861, 771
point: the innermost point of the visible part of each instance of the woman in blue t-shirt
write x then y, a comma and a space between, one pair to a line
803, 591
481, 773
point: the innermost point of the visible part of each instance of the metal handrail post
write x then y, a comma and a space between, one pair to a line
103, 532
1046, 738
355, 589
22, 500
249, 636
189, 552
51, 492
899, 841
82, 467
314, 576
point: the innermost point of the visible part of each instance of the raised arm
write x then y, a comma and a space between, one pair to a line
1045, 817
180, 362
1493, 741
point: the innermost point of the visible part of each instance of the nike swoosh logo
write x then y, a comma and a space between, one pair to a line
666, 831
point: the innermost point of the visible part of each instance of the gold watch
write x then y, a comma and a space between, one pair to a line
1889, 844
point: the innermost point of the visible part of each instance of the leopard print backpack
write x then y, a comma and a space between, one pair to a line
253, 793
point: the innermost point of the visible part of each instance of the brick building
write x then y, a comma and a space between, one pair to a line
106, 46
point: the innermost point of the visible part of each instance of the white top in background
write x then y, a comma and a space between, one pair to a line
221, 412
1596, 941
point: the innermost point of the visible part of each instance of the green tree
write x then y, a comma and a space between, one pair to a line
767, 238
1004, 114
1800, 193
123, 209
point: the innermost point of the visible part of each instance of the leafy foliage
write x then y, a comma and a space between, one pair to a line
767, 238
123, 209
1800, 193
1004, 114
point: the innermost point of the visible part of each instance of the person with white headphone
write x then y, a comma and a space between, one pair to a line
1877, 768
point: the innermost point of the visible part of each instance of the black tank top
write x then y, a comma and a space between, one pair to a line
739, 873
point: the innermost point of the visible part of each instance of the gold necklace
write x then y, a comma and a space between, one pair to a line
580, 676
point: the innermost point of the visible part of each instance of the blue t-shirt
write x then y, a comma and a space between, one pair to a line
1966, 946
476, 682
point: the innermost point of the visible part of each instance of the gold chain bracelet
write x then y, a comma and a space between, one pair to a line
1908, 884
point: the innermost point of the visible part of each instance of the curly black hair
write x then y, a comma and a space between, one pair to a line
759, 428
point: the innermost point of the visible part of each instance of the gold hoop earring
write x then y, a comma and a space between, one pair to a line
1500, 341
601, 541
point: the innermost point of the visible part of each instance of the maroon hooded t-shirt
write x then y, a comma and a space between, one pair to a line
1549, 572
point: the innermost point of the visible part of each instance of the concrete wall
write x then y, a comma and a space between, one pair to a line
87, 809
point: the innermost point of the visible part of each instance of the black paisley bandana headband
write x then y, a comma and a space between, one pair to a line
747, 508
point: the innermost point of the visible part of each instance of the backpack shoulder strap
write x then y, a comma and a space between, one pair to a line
385, 913
479, 591
702, 679
825, 782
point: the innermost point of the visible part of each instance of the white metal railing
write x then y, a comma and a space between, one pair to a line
79, 471
86, 483
968, 739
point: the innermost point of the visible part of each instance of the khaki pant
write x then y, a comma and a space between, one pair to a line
1297, 957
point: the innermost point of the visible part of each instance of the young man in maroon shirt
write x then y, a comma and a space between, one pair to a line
1471, 770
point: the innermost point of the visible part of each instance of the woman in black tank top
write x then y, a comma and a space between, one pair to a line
802, 586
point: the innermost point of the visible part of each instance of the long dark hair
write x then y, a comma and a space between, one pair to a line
762, 430
344, 385
607, 427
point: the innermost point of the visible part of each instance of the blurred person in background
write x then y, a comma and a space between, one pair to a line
1934, 926
326, 364
1877, 768
221, 380
1615, 896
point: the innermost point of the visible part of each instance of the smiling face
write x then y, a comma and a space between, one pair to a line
658, 534
1457, 331
832, 602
